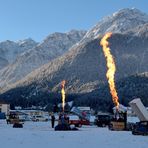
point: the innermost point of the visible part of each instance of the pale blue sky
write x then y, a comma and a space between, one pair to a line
21, 19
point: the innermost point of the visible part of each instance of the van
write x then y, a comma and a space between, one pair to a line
39, 118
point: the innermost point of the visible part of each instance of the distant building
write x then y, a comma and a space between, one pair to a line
4, 108
82, 108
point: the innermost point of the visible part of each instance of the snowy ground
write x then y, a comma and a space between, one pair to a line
41, 135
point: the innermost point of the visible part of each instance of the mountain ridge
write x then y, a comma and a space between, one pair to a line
53, 46
84, 65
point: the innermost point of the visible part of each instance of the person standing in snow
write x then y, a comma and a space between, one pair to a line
7, 119
52, 120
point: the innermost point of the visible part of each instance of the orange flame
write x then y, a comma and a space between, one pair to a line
111, 68
63, 93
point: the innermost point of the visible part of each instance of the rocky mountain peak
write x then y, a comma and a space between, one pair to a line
9, 50
26, 41
118, 22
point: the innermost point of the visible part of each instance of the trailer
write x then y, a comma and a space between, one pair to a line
139, 109
140, 128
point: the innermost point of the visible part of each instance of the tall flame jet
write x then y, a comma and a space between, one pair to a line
63, 93
111, 68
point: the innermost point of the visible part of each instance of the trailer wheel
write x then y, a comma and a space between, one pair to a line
110, 126
134, 133
80, 125
77, 125
103, 125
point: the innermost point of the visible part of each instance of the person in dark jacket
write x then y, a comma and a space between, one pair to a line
7, 119
52, 120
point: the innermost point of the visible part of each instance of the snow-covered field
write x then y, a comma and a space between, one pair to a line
41, 135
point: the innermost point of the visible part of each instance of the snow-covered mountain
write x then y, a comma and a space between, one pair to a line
27, 43
53, 46
9, 50
84, 65
118, 22
141, 30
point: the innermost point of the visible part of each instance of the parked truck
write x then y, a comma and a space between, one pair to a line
13, 118
83, 116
